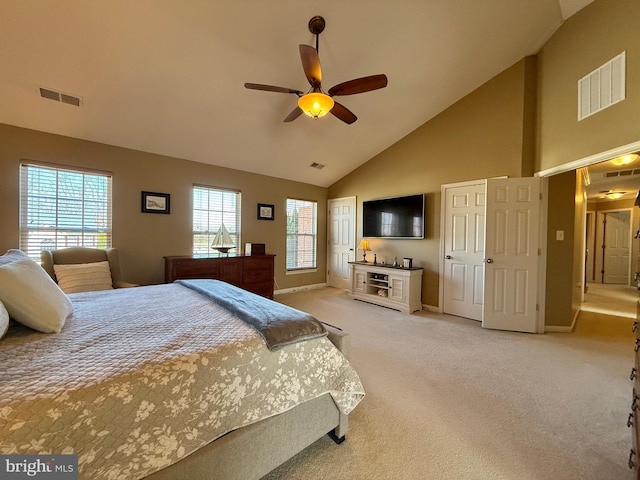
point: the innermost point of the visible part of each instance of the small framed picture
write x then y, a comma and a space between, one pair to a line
153, 202
265, 211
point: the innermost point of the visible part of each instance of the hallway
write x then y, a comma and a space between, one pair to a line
618, 300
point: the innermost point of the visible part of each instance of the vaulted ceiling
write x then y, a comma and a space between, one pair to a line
167, 77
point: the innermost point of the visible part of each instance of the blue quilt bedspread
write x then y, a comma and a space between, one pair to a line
278, 324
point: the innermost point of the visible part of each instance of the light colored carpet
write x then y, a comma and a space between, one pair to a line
449, 400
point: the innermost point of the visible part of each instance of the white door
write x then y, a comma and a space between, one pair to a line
617, 237
463, 266
341, 239
511, 264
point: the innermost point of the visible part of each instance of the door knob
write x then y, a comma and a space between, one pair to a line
489, 260
448, 257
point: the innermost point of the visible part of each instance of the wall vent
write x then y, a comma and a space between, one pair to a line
60, 97
603, 87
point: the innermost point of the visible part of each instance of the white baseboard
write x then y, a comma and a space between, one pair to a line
431, 308
302, 288
557, 329
560, 329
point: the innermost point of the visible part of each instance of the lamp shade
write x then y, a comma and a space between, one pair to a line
364, 246
316, 104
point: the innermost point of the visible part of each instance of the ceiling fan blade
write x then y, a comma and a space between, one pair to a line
295, 113
311, 65
359, 85
271, 88
343, 113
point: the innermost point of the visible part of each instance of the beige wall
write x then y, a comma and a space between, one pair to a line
142, 238
483, 135
583, 43
560, 254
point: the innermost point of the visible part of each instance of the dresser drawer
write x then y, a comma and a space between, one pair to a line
256, 276
253, 273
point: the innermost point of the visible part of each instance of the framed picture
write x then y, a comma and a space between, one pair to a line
153, 202
265, 211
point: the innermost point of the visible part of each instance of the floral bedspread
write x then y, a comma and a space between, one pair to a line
141, 377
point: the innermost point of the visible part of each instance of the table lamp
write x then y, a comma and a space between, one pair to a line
364, 246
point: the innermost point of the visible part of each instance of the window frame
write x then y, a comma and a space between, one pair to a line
93, 232
312, 265
235, 232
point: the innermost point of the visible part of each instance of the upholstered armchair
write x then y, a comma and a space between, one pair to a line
83, 255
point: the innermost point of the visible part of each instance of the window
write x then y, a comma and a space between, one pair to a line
301, 234
63, 207
212, 208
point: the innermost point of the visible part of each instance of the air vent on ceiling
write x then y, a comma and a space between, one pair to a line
622, 173
317, 165
60, 97
602, 88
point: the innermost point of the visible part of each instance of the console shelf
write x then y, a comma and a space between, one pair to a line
392, 287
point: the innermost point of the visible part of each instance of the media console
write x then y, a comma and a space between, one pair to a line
388, 286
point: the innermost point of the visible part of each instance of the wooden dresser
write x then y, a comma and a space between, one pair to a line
251, 272
633, 420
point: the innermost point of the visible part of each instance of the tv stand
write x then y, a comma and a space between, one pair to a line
387, 286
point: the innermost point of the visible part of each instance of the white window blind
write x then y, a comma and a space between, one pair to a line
63, 207
213, 207
302, 228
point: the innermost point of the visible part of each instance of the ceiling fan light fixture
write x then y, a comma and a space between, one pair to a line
315, 104
611, 195
625, 159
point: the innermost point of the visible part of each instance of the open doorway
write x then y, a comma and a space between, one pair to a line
612, 254
602, 184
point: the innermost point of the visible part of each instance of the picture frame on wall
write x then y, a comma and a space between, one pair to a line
265, 211
154, 202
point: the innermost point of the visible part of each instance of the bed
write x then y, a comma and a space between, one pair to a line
162, 382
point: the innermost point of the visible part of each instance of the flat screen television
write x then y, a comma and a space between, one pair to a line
396, 217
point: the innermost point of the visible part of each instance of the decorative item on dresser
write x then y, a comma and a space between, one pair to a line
389, 286
251, 272
633, 421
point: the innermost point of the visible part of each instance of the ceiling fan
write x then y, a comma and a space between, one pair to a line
316, 103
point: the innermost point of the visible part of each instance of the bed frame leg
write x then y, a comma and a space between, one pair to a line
339, 434
335, 438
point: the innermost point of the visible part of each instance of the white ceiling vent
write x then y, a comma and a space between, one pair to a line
602, 88
60, 97
622, 173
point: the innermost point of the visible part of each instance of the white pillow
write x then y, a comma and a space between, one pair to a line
4, 320
83, 277
31, 297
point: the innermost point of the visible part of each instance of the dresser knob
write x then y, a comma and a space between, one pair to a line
634, 374
632, 454
635, 326
630, 420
